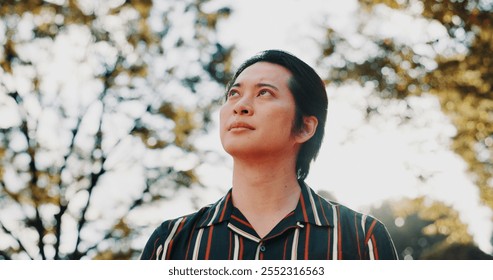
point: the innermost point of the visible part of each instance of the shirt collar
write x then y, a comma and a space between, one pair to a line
218, 212
311, 208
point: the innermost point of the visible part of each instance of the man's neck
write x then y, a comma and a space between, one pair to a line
265, 192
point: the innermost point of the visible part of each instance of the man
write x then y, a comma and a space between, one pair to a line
272, 124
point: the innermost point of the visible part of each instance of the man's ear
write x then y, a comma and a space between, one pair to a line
309, 127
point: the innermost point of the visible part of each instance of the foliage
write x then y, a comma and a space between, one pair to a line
407, 231
417, 234
454, 62
457, 252
99, 104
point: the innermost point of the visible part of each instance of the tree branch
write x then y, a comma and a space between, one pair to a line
76, 254
17, 240
5, 256
63, 203
94, 180
38, 222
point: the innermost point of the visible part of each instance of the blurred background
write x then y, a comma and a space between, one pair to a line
108, 116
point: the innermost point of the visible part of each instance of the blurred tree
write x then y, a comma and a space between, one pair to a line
422, 229
456, 252
99, 104
449, 55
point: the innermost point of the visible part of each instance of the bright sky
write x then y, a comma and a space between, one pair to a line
359, 163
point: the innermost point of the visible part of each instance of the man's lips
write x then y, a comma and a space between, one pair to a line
240, 126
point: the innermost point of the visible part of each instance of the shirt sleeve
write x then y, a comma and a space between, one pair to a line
155, 243
379, 243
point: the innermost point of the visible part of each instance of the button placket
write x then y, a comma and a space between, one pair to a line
260, 249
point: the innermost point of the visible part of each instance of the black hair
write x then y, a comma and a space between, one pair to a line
310, 97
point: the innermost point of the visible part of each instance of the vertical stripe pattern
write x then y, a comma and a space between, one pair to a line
314, 207
316, 229
370, 250
335, 234
170, 237
197, 244
236, 253
294, 247
257, 253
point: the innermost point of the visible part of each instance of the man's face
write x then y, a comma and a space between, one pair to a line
257, 118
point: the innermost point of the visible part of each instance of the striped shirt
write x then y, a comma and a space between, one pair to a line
317, 229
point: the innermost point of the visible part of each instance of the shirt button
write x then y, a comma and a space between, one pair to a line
262, 248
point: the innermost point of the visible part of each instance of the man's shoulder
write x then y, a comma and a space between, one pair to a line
195, 219
170, 229
185, 220
345, 212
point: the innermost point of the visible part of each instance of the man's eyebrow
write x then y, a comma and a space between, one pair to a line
259, 85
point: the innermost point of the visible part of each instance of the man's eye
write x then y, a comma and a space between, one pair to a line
232, 93
264, 92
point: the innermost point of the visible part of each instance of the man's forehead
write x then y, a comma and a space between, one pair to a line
264, 72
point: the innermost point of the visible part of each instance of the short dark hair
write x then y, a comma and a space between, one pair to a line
310, 97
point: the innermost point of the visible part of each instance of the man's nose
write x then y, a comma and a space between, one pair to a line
243, 107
